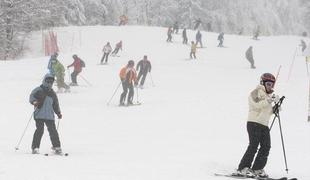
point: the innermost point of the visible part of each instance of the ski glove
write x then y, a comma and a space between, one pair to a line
59, 115
275, 98
36, 103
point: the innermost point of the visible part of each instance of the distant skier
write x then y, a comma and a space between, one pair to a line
303, 45
193, 50
199, 38
128, 77
197, 23
59, 72
145, 67
184, 35
221, 39
249, 56
175, 27
169, 34
78, 64
45, 101
260, 101
123, 20
106, 51
118, 46
49, 66
256, 33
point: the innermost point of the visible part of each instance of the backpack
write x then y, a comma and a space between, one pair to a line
82, 63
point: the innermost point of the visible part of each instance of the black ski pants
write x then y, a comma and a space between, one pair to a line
143, 75
199, 41
251, 60
192, 54
169, 39
115, 51
127, 87
258, 136
51, 127
185, 40
105, 57
74, 75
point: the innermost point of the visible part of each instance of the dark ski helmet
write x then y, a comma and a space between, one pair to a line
131, 63
74, 56
267, 77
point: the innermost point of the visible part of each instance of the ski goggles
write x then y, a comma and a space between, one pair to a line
269, 84
49, 81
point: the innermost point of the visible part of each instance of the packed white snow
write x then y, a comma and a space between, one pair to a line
192, 121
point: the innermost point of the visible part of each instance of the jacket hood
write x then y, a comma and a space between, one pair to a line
45, 84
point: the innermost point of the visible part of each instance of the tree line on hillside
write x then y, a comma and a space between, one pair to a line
20, 17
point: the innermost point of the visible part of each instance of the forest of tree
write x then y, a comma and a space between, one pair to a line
273, 17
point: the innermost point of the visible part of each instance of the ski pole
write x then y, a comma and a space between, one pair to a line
152, 79
137, 94
68, 70
307, 67
89, 84
21, 138
282, 140
114, 93
58, 124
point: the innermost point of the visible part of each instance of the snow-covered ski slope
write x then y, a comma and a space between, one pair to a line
192, 121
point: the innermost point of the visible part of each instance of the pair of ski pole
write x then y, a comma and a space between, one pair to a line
25, 129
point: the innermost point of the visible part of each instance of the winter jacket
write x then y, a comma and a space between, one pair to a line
128, 75
198, 36
58, 69
184, 33
48, 102
119, 46
260, 109
220, 37
169, 32
249, 53
107, 49
77, 65
193, 48
144, 66
49, 66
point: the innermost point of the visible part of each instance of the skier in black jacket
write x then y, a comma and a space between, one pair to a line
144, 66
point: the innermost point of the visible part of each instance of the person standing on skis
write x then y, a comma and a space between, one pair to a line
45, 101
78, 65
128, 77
145, 67
261, 101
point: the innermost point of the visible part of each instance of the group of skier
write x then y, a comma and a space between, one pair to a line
107, 49
129, 78
261, 100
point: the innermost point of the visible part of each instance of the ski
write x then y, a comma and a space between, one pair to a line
54, 154
128, 105
257, 178
135, 104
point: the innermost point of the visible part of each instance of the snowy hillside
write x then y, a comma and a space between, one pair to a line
192, 121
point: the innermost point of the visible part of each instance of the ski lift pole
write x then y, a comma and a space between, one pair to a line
291, 67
